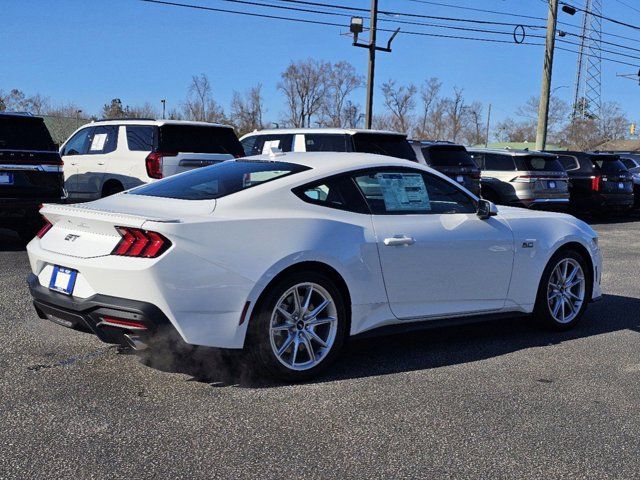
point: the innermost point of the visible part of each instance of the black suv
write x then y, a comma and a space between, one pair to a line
450, 159
597, 182
30, 172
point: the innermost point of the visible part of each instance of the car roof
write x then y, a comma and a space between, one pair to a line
327, 162
514, 153
327, 131
147, 121
586, 154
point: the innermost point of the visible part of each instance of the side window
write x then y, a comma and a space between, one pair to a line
337, 192
77, 145
325, 143
478, 158
103, 139
248, 145
568, 162
264, 143
412, 192
140, 138
494, 161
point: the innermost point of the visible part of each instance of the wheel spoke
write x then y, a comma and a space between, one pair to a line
574, 283
556, 308
285, 314
569, 304
279, 328
318, 310
571, 294
296, 300
572, 275
314, 336
565, 267
294, 352
309, 348
320, 321
285, 345
307, 300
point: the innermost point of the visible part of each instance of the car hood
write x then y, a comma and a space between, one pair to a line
517, 213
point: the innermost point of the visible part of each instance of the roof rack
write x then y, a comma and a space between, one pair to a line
22, 114
119, 119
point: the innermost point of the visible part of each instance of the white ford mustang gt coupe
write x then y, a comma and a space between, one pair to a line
287, 255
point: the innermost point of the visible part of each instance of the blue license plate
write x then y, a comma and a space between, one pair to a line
6, 178
63, 280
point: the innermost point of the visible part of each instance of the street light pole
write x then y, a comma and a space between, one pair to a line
486, 138
543, 108
164, 105
372, 63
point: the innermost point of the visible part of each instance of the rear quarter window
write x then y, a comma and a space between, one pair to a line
198, 139
539, 164
326, 143
494, 161
141, 138
383, 144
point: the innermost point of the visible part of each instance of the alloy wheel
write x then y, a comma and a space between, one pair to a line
566, 290
303, 326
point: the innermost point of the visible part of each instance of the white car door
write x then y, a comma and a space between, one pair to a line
92, 166
438, 257
73, 152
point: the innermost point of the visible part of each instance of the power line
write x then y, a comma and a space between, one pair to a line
603, 17
507, 14
628, 6
332, 24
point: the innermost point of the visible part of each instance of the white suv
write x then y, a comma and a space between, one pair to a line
106, 157
380, 142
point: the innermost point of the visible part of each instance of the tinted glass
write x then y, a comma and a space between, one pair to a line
338, 192
24, 133
248, 146
568, 162
103, 139
199, 139
609, 165
78, 144
494, 161
448, 156
381, 144
264, 143
326, 143
539, 163
140, 138
412, 192
218, 180
629, 163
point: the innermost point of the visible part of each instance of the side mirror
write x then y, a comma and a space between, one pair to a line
486, 209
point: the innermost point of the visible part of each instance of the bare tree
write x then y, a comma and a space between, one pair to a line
430, 96
247, 111
342, 81
200, 105
304, 84
586, 132
400, 102
473, 129
455, 113
146, 110
114, 109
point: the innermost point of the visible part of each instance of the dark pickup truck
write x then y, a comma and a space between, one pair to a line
30, 172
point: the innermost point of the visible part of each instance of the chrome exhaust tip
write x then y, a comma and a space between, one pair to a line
135, 342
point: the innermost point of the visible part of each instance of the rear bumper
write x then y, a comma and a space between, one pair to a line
140, 321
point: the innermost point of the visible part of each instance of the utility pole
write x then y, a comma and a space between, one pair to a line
486, 141
372, 63
164, 105
356, 27
543, 109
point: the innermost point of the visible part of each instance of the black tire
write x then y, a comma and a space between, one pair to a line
259, 343
111, 188
543, 311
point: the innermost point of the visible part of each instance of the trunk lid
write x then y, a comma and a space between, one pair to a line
88, 230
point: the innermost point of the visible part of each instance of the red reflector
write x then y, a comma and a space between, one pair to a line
595, 183
244, 313
117, 322
140, 243
47, 226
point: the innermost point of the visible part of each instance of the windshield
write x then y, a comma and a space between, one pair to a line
448, 156
199, 139
384, 144
24, 133
541, 164
218, 180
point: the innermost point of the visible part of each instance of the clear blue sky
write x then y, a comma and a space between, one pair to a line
89, 51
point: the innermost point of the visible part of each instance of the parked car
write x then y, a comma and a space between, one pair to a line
522, 178
287, 255
107, 157
379, 142
632, 162
452, 160
30, 172
598, 182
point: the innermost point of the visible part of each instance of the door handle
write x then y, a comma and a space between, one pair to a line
74, 164
398, 240
100, 163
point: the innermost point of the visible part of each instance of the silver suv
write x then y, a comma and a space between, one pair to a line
522, 178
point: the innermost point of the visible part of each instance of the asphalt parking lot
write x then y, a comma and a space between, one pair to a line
497, 400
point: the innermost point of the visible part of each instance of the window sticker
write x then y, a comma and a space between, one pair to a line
98, 141
404, 192
268, 145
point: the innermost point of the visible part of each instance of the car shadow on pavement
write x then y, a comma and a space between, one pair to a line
426, 349
10, 242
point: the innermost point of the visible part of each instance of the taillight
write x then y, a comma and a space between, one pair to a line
47, 226
595, 183
140, 243
153, 163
